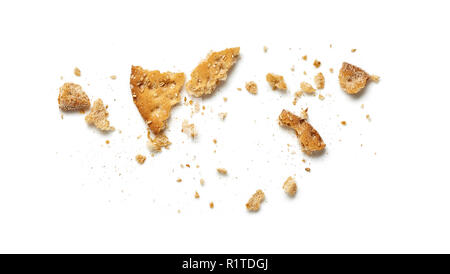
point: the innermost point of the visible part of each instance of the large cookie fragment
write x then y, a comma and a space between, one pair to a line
72, 97
208, 74
154, 94
352, 78
99, 116
309, 138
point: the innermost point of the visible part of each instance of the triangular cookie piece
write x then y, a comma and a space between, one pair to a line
309, 137
352, 78
208, 74
154, 94
72, 97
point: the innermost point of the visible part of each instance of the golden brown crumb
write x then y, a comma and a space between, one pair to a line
223, 115
99, 116
362, 106
154, 94
276, 81
375, 78
211, 205
189, 129
344, 123
308, 169
368, 117
202, 181
321, 97
265, 48
254, 202
214, 141
317, 63
331, 70
158, 142
196, 195
309, 138
352, 79
210, 72
319, 79
293, 68
107, 142
290, 187
77, 72
62, 116
72, 98
140, 158
308, 88
179, 180
222, 171
113, 77
225, 99
353, 50
239, 89
305, 57
251, 87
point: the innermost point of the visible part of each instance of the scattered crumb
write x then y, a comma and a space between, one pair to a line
202, 181
317, 63
140, 158
225, 99
77, 72
293, 68
308, 169
239, 89
207, 75
107, 142
189, 129
352, 79
223, 115
309, 138
222, 171
344, 123
251, 87
265, 48
308, 88
276, 81
62, 116
321, 97
196, 195
179, 180
211, 205
179, 211
368, 117
319, 79
154, 94
290, 187
113, 77
375, 78
353, 50
99, 116
305, 57
72, 98
331, 70
254, 202
362, 106
158, 142
214, 141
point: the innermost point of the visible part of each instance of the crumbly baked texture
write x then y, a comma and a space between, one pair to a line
140, 158
99, 116
352, 78
319, 80
77, 72
251, 87
276, 81
317, 63
254, 203
158, 142
72, 98
223, 115
154, 94
208, 74
375, 78
309, 138
189, 129
211, 205
307, 87
290, 186
222, 171
196, 195
321, 97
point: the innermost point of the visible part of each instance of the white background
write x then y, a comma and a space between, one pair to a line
62, 189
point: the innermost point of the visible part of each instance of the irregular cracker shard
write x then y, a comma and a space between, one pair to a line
208, 74
158, 142
154, 94
189, 129
251, 87
309, 138
290, 187
222, 171
254, 202
352, 78
319, 79
308, 88
276, 81
72, 97
140, 158
99, 116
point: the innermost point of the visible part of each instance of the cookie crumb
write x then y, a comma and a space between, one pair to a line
353, 50
290, 186
72, 98
189, 129
222, 171
331, 70
77, 72
179, 180
99, 116
107, 142
251, 87
305, 57
368, 117
202, 181
319, 79
375, 78
308, 169
317, 63
352, 79
276, 81
113, 77
211, 205
254, 202
308, 88
140, 158
223, 115
225, 99
321, 97
265, 49
196, 196
344, 123
158, 142
239, 89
